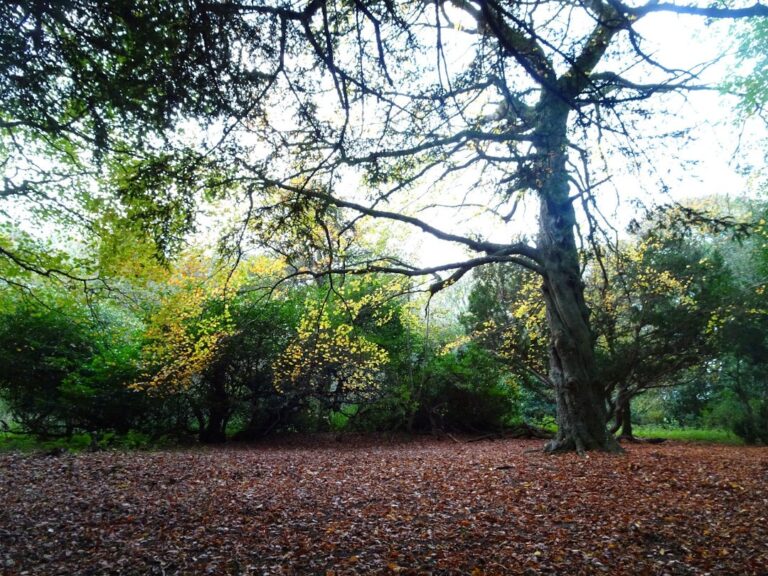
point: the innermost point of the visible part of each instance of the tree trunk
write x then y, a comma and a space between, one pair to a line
214, 431
581, 406
581, 411
624, 419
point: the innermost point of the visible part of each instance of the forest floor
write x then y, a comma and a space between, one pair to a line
361, 506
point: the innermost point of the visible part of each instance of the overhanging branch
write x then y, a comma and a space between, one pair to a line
395, 267
490, 248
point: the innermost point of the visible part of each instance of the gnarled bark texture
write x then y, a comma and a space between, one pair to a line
581, 406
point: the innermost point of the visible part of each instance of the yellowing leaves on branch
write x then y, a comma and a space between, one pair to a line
329, 359
189, 324
331, 353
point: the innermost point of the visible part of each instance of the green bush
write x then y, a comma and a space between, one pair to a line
753, 428
467, 390
741, 402
61, 374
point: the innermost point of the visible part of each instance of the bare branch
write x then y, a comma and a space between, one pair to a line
462, 137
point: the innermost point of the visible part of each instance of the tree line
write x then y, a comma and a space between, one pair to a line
194, 352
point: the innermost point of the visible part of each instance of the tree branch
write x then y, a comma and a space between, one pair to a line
460, 137
756, 10
490, 248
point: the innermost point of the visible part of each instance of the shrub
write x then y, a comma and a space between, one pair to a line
467, 390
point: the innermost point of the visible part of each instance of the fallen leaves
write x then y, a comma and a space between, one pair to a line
424, 507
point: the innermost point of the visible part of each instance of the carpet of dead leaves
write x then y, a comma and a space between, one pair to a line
360, 506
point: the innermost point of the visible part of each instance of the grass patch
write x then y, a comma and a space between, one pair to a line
19, 442
706, 435
27, 443
714, 436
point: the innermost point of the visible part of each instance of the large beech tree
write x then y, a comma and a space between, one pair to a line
333, 113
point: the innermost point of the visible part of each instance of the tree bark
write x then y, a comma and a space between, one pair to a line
624, 419
581, 405
214, 431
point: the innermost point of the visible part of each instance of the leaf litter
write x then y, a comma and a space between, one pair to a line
369, 506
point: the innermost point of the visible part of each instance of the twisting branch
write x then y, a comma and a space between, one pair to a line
457, 269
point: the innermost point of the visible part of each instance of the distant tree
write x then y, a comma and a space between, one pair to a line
657, 303
192, 343
738, 395
39, 351
506, 316
655, 320
341, 349
466, 389
263, 328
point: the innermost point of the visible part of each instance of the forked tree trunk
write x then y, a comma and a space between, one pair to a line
581, 406
625, 413
623, 421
